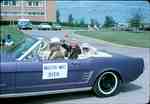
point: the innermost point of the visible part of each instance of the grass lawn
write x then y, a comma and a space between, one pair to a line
17, 35
121, 37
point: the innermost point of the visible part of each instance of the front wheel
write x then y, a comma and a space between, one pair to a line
107, 84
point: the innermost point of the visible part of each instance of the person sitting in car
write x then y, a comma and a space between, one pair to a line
87, 50
56, 50
74, 50
66, 47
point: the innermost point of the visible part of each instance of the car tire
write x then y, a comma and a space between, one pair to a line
107, 84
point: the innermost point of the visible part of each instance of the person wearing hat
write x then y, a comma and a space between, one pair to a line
56, 51
74, 50
87, 50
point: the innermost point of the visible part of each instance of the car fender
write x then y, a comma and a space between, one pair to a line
97, 73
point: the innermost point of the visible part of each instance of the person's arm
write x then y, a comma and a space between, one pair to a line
66, 47
79, 50
50, 55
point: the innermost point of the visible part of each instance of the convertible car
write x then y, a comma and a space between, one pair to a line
29, 73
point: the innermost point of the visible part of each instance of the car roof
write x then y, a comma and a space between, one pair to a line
23, 20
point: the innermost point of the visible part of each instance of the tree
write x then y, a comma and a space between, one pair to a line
92, 22
58, 16
70, 19
82, 22
136, 21
76, 23
97, 23
109, 21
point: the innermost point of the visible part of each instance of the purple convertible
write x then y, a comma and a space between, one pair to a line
30, 73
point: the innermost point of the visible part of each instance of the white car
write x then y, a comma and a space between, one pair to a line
44, 26
24, 24
56, 27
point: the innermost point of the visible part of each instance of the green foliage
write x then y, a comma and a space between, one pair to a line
109, 21
70, 19
82, 22
135, 21
74, 23
92, 22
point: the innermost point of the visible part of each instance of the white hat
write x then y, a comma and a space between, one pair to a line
55, 40
85, 45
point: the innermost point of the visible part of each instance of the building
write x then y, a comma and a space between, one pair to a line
35, 10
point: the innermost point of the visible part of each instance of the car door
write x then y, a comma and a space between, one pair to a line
7, 77
80, 72
39, 76
43, 76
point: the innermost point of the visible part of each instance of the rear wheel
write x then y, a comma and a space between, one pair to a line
107, 84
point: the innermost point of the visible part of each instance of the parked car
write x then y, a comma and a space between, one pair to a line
121, 27
24, 24
44, 26
56, 27
29, 75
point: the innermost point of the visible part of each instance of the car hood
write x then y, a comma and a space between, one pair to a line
45, 26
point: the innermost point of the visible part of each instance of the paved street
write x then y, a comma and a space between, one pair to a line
136, 92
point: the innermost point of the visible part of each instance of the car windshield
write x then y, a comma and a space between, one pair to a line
18, 51
56, 25
23, 22
30, 51
28, 42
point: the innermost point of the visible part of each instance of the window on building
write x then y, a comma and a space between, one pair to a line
42, 13
13, 2
35, 3
8, 13
6, 2
35, 13
1, 2
29, 13
30, 3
